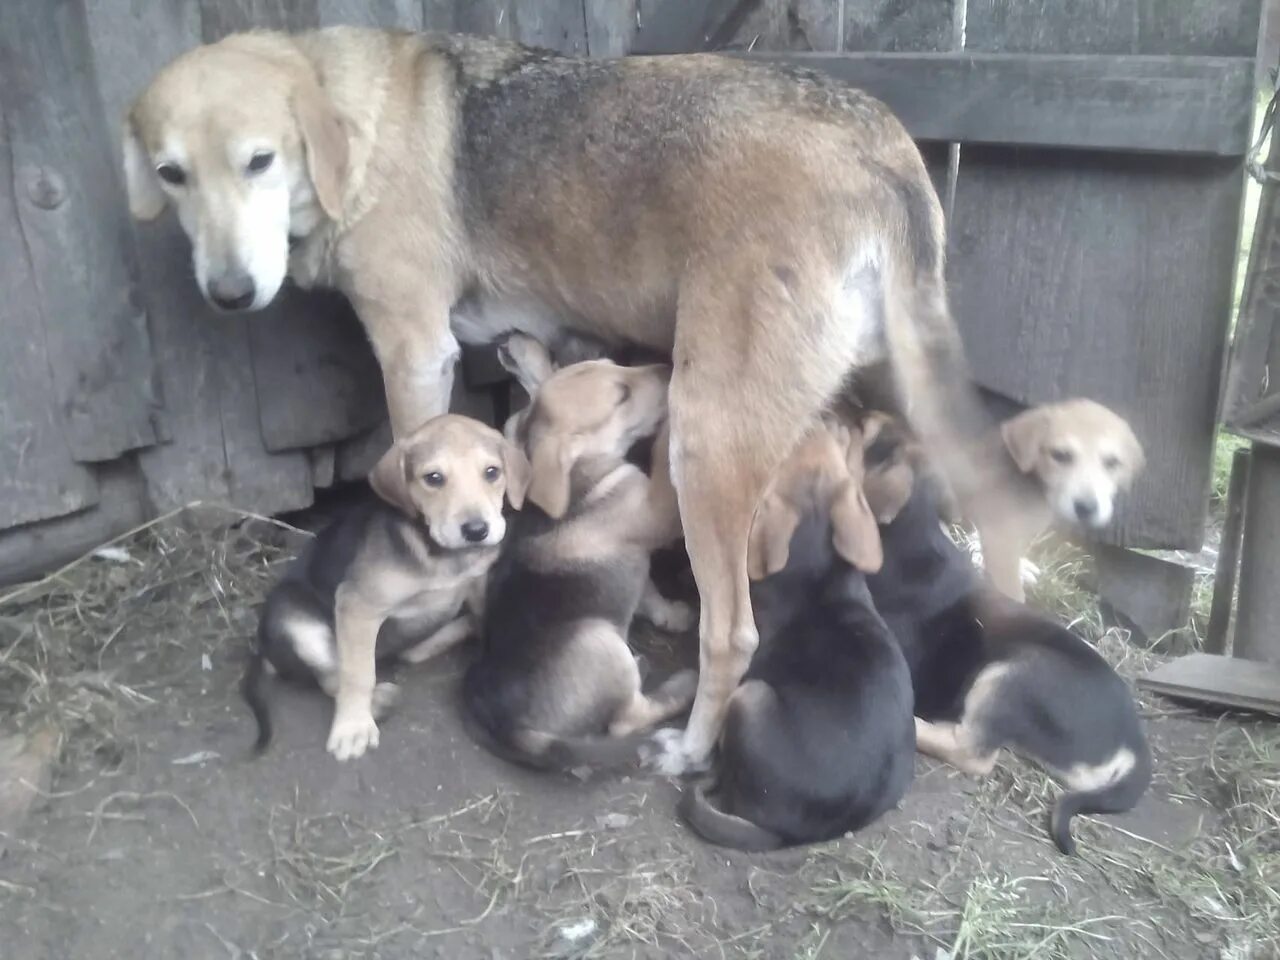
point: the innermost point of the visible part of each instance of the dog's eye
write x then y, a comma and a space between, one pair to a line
1111, 462
1062, 455
171, 174
260, 161
492, 473
434, 479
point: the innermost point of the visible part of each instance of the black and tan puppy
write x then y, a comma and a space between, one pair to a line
818, 739
555, 685
990, 672
390, 579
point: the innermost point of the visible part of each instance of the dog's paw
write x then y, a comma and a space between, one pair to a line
665, 754
1029, 572
676, 616
681, 687
352, 735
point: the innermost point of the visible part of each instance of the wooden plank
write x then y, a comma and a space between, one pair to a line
206, 373
789, 25
554, 24
1062, 285
1223, 681
1257, 635
71, 213
1147, 104
31, 550
388, 14
1149, 594
615, 27
1228, 566
39, 476
893, 26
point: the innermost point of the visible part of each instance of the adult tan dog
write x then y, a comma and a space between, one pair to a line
773, 230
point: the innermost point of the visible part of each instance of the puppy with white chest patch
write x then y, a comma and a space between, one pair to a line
1075, 458
555, 685
819, 738
391, 579
988, 672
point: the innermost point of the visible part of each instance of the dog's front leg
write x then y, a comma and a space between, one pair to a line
354, 729
417, 353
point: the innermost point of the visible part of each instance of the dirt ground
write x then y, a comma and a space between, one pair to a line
159, 835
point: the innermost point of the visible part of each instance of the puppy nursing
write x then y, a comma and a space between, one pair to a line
555, 684
989, 672
390, 579
818, 740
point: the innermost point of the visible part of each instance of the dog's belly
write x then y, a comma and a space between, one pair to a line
480, 318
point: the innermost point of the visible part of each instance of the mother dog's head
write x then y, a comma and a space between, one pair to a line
242, 139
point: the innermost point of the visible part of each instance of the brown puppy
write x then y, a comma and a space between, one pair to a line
771, 228
390, 579
555, 684
1075, 457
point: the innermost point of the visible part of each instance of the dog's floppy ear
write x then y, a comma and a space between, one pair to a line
516, 467
324, 138
549, 466
527, 360
1023, 435
769, 545
856, 535
146, 197
390, 480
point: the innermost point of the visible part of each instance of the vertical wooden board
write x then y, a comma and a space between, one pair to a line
894, 26
221, 17
1209, 28
73, 222
39, 477
28, 551
486, 18
1104, 276
1050, 26
192, 343
388, 14
610, 25
554, 24
316, 376
790, 25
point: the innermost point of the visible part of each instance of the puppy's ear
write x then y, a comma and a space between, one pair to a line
324, 139
516, 467
146, 196
527, 360
769, 545
549, 466
390, 480
856, 535
1023, 436
888, 487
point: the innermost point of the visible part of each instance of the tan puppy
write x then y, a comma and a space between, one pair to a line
390, 579
772, 229
1076, 457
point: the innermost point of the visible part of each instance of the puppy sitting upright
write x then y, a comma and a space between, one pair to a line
1075, 457
555, 685
389, 579
990, 672
818, 739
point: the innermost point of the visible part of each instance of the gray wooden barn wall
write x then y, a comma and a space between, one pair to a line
122, 394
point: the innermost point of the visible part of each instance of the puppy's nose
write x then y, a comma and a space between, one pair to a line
232, 291
1086, 508
473, 531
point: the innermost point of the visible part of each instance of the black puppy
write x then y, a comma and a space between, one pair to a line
989, 672
818, 740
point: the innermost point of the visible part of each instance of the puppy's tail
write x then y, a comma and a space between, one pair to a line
253, 688
1114, 798
723, 829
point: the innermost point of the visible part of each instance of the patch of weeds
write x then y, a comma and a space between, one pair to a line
855, 883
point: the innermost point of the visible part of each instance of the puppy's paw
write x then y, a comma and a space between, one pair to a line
665, 754
385, 695
352, 735
1029, 572
677, 617
680, 688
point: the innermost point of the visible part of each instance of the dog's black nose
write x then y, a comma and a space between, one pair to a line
473, 531
232, 291
1086, 508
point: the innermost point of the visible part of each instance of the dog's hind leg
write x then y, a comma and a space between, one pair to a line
671, 698
447, 637
953, 743
674, 616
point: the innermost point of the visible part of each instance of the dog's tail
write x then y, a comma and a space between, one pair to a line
723, 829
1116, 797
253, 688
544, 751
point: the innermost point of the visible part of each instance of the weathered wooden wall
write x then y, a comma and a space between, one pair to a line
1094, 203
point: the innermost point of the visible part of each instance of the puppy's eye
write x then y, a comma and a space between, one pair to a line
492, 473
433, 479
171, 174
1111, 462
260, 161
1062, 455
625, 394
